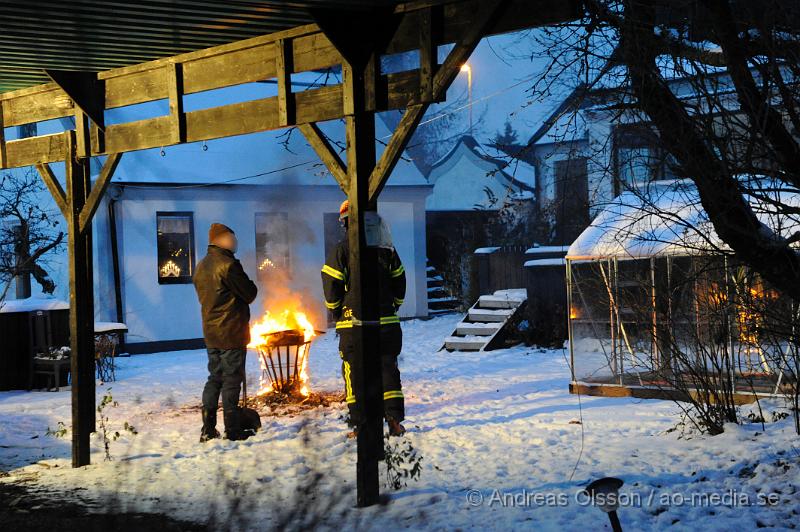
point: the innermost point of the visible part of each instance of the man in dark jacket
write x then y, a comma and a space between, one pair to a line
225, 293
392, 289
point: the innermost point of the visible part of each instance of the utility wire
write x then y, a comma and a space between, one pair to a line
316, 161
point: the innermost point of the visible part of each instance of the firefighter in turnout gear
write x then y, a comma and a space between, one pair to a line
392, 289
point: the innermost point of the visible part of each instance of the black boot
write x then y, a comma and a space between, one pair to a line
395, 428
209, 430
233, 425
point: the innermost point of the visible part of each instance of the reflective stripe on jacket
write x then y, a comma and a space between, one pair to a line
338, 298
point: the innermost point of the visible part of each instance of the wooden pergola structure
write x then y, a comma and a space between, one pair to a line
100, 55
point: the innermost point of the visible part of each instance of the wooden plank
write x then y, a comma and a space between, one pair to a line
33, 150
283, 70
256, 63
394, 149
83, 146
326, 153
98, 189
175, 93
428, 60
140, 135
55, 188
234, 68
36, 106
136, 88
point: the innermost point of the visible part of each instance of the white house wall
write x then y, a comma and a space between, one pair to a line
156, 312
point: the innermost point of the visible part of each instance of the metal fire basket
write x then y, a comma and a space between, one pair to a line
283, 357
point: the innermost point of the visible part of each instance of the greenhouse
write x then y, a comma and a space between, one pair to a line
658, 306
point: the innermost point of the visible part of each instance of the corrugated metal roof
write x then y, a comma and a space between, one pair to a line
96, 35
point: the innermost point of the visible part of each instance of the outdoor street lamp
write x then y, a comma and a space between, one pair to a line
605, 495
466, 68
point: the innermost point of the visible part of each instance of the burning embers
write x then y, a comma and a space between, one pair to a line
283, 341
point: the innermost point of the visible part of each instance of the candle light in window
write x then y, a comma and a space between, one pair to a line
170, 269
266, 263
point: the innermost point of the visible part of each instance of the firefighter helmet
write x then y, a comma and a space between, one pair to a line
344, 210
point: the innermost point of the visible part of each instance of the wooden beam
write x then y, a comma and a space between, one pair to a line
98, 189
34, 150
428, 60
81, 303
175, 93
51, 181
327, 154
283, 71
394, 148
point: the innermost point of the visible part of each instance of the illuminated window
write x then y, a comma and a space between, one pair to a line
175, 247
272, 245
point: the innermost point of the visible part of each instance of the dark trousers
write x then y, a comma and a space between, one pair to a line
391, 343
225, 373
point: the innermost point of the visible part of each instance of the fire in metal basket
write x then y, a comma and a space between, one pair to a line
284, 356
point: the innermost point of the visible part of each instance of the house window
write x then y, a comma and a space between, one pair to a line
639, 158
175, 232
272, 244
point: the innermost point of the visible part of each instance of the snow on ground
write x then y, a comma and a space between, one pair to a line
497, 432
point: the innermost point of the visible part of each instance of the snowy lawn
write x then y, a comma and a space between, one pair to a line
498, 432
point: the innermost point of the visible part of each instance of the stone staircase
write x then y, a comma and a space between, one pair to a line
440, 300
482, 328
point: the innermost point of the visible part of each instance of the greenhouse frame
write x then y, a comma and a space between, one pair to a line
660, 308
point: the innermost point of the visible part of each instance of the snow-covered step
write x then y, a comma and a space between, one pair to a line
477, 329
484, 315
447, 299
498, 302
464, 343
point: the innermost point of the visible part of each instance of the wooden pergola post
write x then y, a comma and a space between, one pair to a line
78, 203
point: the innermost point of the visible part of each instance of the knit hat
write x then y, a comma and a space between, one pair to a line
217, 230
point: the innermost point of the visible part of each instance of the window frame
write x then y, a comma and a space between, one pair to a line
289, 267
182, 279
633, 137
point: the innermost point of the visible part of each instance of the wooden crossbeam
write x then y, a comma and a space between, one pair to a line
55, 188
98, 189
326, 153
394, 148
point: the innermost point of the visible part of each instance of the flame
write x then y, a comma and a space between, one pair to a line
284, 320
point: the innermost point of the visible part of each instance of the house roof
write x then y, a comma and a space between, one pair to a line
514, 172
666, 218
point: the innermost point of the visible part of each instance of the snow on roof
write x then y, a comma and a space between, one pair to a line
544, 262
32, 304
485, 251
546, 249
666, 218
109, 326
